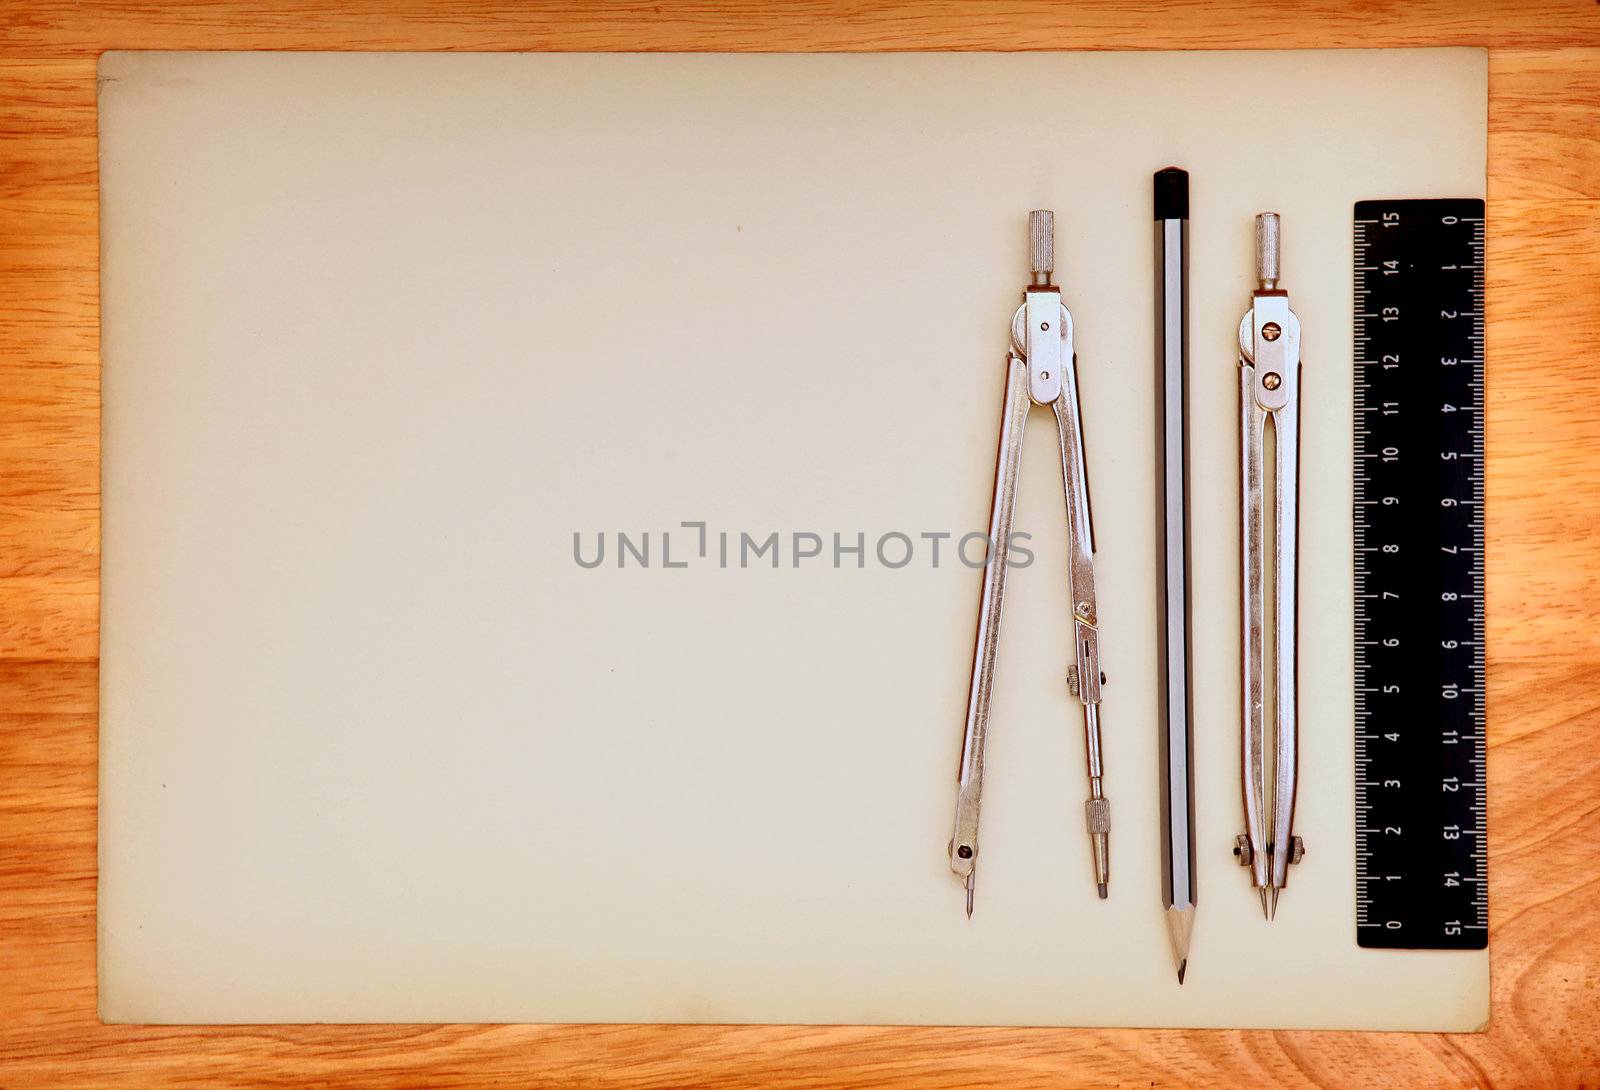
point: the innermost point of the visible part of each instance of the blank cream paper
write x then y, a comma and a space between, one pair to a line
383, 333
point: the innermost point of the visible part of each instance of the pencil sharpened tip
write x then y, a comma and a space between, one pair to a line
1101, 888
1180, 926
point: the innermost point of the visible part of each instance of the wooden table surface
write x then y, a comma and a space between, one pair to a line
1543, 560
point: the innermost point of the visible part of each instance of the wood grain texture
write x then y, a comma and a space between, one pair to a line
1543, 565
51, 29
1543, 144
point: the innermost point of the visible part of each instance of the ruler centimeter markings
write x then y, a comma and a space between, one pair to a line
1420, 842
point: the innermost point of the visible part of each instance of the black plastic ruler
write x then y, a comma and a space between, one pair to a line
1420, 839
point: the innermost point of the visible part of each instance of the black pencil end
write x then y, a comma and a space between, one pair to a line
1172, 194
